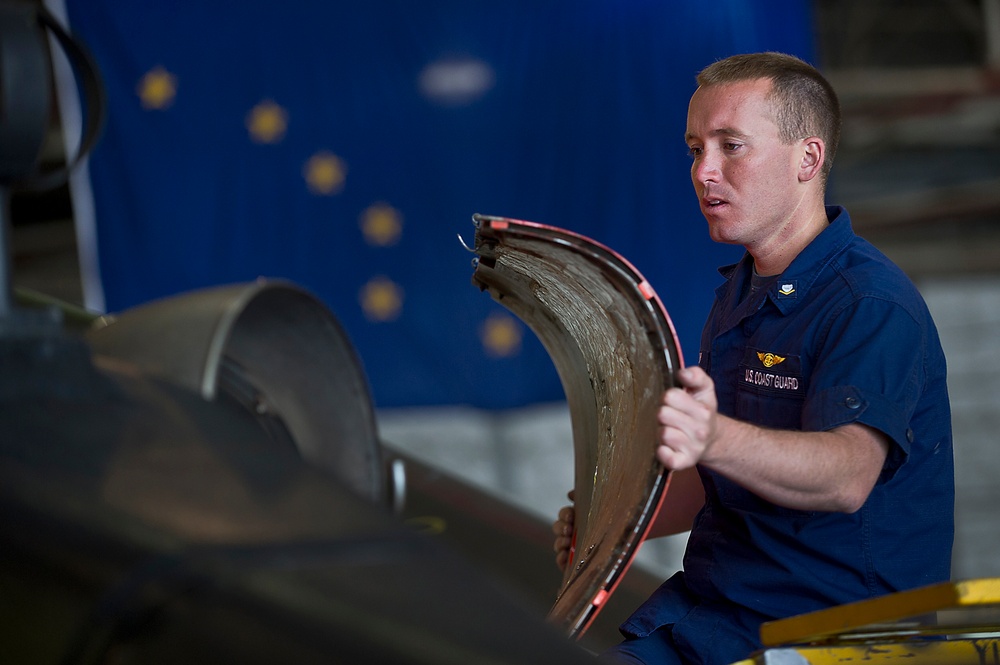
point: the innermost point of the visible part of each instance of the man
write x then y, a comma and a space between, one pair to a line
818, 417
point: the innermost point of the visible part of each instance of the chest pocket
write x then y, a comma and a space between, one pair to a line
770, 389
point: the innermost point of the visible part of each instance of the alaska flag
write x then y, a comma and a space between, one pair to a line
345, 146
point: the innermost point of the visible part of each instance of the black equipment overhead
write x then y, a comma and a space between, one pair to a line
26, 95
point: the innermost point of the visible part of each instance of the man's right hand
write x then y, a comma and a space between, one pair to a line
562, 528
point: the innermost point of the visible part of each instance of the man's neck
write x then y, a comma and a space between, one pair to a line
780, 252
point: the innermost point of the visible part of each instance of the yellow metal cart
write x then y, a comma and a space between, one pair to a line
941, 624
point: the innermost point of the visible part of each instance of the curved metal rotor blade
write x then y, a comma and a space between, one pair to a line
616, 352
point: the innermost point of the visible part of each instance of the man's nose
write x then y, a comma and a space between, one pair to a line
706, 168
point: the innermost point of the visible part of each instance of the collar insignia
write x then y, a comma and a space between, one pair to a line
786, 289
769, 359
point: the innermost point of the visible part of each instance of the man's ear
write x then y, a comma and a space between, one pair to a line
813, 156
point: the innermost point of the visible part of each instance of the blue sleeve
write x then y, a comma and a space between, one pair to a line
869, 370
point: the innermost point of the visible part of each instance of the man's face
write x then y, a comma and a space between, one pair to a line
746, 179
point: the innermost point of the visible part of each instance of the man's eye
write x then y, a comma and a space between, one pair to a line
731, 147
694, 152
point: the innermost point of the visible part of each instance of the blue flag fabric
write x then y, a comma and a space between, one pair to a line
345, 146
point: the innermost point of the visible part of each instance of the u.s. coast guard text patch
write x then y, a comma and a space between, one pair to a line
771, 371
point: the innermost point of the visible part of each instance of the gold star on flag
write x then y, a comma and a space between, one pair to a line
325, 173
381, 225
501, 336
381, 299
157, 89
267, 122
